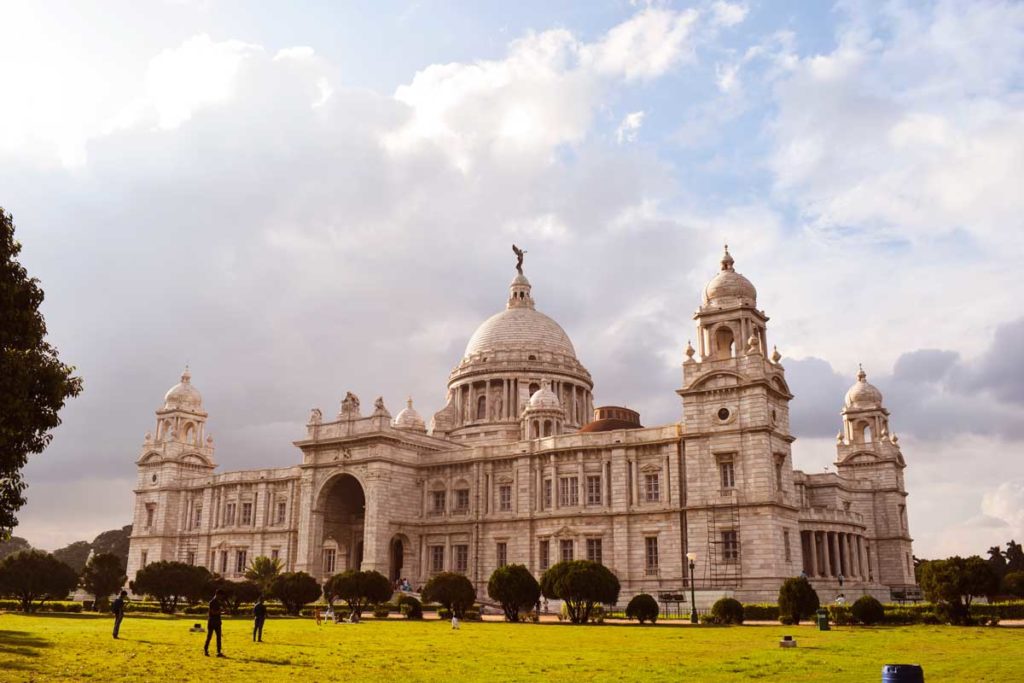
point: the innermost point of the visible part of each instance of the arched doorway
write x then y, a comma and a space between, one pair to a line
343, 505
396, 559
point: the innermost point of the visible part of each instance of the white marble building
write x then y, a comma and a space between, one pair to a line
520, 467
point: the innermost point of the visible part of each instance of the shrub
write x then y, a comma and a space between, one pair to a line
410, 607
597, 615
797, 599
727, 611
867, 610
1013, 584
452, 590
787, 620
444, 614
761, 612
472, 614
295, 589
642, 607
840, 615
515, 588
382, 611
580, 585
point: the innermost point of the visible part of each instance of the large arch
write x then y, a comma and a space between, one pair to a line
399, 557
342, 504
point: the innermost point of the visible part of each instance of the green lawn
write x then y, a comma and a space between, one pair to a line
72, 647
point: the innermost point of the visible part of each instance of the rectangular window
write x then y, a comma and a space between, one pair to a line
505, 498
593, 489
197, 517
785, 544
439, 502
652, 488
728, 474
275, 554
437, 558
545, 554
568, 491
190, 558
547, 494
502, 554
730, 546
651, 555
223, 561
462, 500
246, 514
150, 513
329, 556
229, 514
594, 550
461, 558
282, 512
240, 563
565, 548
778, 474
143, 558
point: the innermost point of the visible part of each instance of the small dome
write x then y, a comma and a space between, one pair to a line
183, 396
409, 419
729, 286
863, 394
544, 399
610, 418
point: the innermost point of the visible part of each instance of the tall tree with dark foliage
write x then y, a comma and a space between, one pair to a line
35, 382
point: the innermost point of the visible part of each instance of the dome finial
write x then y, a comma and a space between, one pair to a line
727, 260
408, 402
186, 377
861, 375
519, 258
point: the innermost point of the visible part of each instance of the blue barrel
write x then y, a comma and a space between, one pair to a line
902, 673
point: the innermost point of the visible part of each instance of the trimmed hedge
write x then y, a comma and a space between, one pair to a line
69, 606
727, 611
761, 611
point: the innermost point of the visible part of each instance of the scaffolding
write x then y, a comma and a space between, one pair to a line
723, 568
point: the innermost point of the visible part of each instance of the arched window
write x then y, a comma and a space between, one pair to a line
534, 388
862, 432
481, 407
724, 342
190, 433
534, 429
547, 427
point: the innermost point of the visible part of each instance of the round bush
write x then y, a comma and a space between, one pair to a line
797, 600
410, 607
867, 610
727, 611
643, 607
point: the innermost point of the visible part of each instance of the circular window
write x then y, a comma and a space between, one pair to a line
154, 478
723, 414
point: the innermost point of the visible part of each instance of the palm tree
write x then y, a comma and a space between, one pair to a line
262, 571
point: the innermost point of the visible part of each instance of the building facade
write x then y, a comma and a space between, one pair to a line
519, 467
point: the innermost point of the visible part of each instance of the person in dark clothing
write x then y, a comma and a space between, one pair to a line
213, 623
118, 609
259, 611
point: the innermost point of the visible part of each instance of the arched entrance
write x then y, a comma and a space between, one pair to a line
396, 558
343, 505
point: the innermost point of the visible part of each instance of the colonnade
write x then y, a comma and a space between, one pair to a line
830, 554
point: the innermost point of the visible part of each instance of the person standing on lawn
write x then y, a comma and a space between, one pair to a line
213, 623
259, 611
118, 609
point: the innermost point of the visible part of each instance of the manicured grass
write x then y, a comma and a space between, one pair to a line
73, 647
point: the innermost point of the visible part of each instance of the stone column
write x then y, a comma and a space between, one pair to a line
581, 487
862, 558
844, 565
851, 553
813, 548
634, 484
826, 560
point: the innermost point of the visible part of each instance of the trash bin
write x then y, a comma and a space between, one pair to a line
902, 673
822, 618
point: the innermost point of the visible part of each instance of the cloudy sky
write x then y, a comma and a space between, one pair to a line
301, 199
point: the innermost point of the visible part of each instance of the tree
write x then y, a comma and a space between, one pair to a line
953, 583
262, 571
74, 555
515, 588
580, 584
1014, 557
867, 610
643, 607
115, 542
15, 544
103, 576
295, 589
1013, 584
452, 590
35, 383
797, 599
32, 575
997, 561
171, 582
234, 593
359, 590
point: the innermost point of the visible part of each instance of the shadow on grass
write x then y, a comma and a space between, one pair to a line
21, 644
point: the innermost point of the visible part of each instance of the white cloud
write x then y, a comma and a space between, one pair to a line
630, 126
728, 13
646, 46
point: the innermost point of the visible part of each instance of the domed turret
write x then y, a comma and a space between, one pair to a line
863, 394
183, 396
729, 287
545, 399
543, 414
410, 420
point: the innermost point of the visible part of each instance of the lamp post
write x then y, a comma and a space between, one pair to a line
692, 557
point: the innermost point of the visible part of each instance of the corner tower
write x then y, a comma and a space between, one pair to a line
739, 472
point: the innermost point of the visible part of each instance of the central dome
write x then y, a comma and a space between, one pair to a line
520, 329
